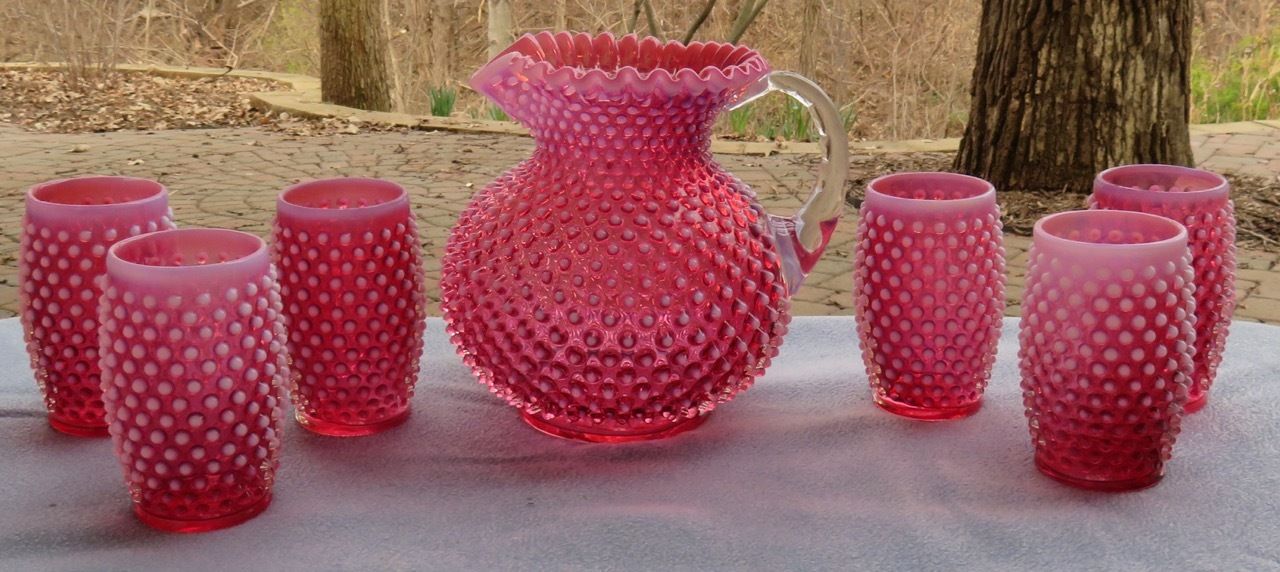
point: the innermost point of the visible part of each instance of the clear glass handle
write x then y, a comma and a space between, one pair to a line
802, 237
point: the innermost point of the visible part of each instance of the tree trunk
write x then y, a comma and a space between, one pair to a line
810, 13
397, 83
353, 54
562, 15
440, 70
500, 27
1062, 90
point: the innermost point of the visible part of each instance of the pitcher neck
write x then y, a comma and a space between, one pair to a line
654, 130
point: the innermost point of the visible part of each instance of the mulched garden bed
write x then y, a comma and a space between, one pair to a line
43, 101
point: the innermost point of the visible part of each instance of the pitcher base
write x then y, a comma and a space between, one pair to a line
575, 433
1196, 404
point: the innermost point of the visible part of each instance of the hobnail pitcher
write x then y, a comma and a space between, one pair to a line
619, 284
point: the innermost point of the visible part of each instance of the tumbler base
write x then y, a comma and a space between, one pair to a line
576, 433
927, 413
204, 525
1096, 485
78, 430
332, 429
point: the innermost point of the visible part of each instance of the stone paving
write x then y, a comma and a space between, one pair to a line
230, 178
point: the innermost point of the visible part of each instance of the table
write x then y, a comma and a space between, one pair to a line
800, 472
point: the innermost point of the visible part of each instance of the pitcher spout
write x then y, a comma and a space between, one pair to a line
500, 79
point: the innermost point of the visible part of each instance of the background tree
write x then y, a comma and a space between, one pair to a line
810, 17
1062, 90
353, 54
747, 12
442, 34
501, 28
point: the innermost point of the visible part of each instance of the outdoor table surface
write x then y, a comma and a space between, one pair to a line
800, 472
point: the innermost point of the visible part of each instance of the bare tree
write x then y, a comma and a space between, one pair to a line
697, 22
353, 54
501, 29
810, 13
1062, 90
747, 13
440, 67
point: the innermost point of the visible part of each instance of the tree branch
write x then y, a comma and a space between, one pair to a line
746, 16
744, 10
702, 17
649, 16
635, 17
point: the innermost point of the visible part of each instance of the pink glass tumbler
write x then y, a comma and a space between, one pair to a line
351, 267
69, 226
1201, 201
193, 358
929, 292
1106, 344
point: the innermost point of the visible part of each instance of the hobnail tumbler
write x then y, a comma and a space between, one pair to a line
68, 227
192, 344
1201, 201
929, 292
352, 280
1106, 343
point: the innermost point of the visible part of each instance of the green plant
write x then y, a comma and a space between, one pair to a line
1244, 87
848, 116
740, 121
795, 122
442, 100
497, 114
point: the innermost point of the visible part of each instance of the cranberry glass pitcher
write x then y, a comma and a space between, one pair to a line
619, 284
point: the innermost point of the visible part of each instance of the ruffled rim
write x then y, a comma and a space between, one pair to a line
604, 64
1199, 185
66, 199
1110, 231
343, 198
145, 260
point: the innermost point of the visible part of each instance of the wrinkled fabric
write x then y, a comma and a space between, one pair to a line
800, 472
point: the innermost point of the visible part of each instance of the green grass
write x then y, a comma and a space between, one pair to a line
442, 100
1244, 87
777, 118
795, 122
740, 121
497, 114
489, 112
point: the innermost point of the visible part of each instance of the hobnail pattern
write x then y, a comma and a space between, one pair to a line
1200, 200
929, 292
68, 227
350, 261
1106, 346
619, 284
193, 357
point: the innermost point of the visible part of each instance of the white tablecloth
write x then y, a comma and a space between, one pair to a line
801, 472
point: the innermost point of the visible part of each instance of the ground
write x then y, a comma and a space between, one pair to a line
230, 178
